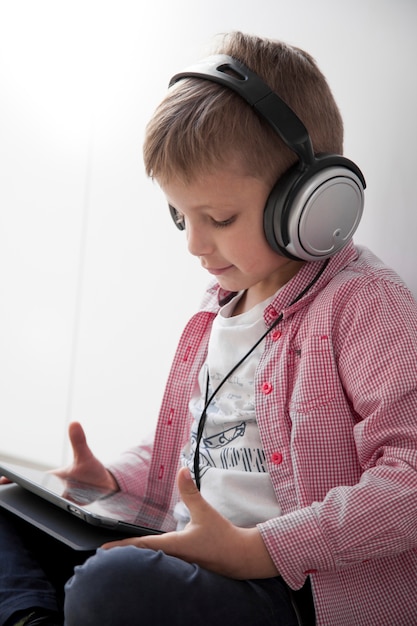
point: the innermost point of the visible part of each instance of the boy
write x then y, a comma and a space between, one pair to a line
292, 399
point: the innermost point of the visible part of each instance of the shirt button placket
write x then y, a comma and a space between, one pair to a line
267, 388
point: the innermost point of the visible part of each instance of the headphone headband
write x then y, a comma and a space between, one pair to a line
231, 73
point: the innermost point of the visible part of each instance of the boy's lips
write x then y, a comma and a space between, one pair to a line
217, 271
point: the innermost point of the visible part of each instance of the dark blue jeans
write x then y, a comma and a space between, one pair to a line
128, 587
33, 568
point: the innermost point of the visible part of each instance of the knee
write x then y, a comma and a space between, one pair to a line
104, 587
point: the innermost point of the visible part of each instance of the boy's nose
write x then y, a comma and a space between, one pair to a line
198, 240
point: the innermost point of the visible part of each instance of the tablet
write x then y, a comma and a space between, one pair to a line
44, 499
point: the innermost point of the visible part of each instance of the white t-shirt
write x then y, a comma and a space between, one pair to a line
233, 471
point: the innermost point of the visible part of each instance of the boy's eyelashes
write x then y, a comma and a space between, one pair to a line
179, 219
223, 223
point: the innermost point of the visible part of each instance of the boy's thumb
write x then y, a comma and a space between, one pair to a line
77, 438
200, 510
187, 487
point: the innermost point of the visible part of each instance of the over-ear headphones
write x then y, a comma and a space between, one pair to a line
314, 209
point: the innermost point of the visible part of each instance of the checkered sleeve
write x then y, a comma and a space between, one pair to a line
375, 343
131, 469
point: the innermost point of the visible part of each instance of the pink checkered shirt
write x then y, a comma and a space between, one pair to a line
336, 405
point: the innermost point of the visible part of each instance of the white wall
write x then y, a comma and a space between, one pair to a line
86, 245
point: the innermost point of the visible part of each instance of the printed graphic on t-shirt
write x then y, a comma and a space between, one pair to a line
228, 443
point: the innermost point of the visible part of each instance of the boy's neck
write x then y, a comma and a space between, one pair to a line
247, 301
240, 306
260, 292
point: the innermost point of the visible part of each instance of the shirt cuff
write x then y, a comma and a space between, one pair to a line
296, 544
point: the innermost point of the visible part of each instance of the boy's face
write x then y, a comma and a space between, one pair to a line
223, 216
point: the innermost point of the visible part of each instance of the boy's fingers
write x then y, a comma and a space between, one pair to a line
192, 498
78, 439
186, 484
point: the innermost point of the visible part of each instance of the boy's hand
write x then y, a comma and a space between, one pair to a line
210, 540
85, 467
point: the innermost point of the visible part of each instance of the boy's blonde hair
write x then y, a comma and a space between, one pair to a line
200, 125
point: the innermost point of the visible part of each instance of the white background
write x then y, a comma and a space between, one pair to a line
95, 283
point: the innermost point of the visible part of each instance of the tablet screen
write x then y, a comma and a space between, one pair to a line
93, 504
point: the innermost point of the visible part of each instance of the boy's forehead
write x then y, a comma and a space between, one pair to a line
230, 165
225, 186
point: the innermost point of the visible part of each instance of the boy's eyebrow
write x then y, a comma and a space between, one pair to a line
200, 207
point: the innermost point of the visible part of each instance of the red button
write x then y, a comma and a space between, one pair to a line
267, 388
310, 571
273, 313
276, 458
276, 335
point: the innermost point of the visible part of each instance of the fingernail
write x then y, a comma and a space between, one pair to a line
187, 474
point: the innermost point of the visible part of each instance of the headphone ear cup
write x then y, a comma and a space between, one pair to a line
274, 226
311, 215
176, 218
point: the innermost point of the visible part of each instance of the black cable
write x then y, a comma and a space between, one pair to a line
208, 400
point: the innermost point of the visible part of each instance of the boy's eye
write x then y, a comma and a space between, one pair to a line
223, 223
179, 219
